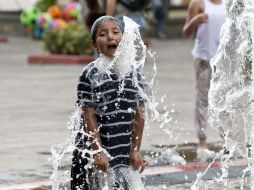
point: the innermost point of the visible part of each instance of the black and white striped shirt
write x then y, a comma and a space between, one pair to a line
114, 102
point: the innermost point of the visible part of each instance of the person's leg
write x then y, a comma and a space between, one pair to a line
117, 179
203, 77
125, 178
160, 14
79, 175
83, 178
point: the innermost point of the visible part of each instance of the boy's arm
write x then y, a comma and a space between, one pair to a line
195, 17
91, 127
137, 162
139, 123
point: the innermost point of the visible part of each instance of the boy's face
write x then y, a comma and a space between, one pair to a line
108, 38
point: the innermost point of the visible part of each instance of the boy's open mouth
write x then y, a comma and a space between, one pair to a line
112, 46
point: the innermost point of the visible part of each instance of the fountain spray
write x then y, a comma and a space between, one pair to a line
231, 92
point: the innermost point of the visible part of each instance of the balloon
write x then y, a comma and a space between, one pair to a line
28, 17
72, 11
43, 21
55, 11
57, 23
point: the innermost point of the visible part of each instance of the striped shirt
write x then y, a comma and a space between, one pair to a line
114, 102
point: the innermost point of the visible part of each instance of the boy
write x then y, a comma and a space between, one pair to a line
204, 20
113, 113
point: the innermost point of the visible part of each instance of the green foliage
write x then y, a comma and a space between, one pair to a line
43, 5
73, 40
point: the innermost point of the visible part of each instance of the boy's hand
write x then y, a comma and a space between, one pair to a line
137, 161
101, 162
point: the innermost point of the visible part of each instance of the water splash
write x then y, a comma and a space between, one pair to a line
231, 91
130, 56
62, 153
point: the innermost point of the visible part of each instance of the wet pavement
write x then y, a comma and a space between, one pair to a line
174, 177
37, 101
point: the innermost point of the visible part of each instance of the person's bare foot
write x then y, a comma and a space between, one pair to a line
204, 154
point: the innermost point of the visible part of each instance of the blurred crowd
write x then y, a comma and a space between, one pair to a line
41, 17
132, 9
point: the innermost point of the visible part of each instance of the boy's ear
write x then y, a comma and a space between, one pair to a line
94, 45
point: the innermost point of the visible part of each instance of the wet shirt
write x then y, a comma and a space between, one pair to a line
114, 102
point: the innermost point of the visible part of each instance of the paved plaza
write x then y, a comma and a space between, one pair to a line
36, 102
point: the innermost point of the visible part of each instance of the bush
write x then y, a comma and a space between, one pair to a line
72, 40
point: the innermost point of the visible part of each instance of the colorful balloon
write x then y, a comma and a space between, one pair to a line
43, 21
55, 11
28, 17
72, 11
57, 24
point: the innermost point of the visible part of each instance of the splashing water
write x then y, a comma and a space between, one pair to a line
130, 56
231, 93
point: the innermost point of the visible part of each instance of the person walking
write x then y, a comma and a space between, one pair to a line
133, 9
204, 21
93, 9
160, 11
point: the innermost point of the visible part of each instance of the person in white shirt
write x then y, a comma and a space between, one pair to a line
204, 21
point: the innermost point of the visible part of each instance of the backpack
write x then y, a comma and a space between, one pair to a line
135, 5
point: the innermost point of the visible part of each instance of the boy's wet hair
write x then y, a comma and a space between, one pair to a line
99, 21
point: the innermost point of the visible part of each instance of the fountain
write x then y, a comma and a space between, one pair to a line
231, 92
